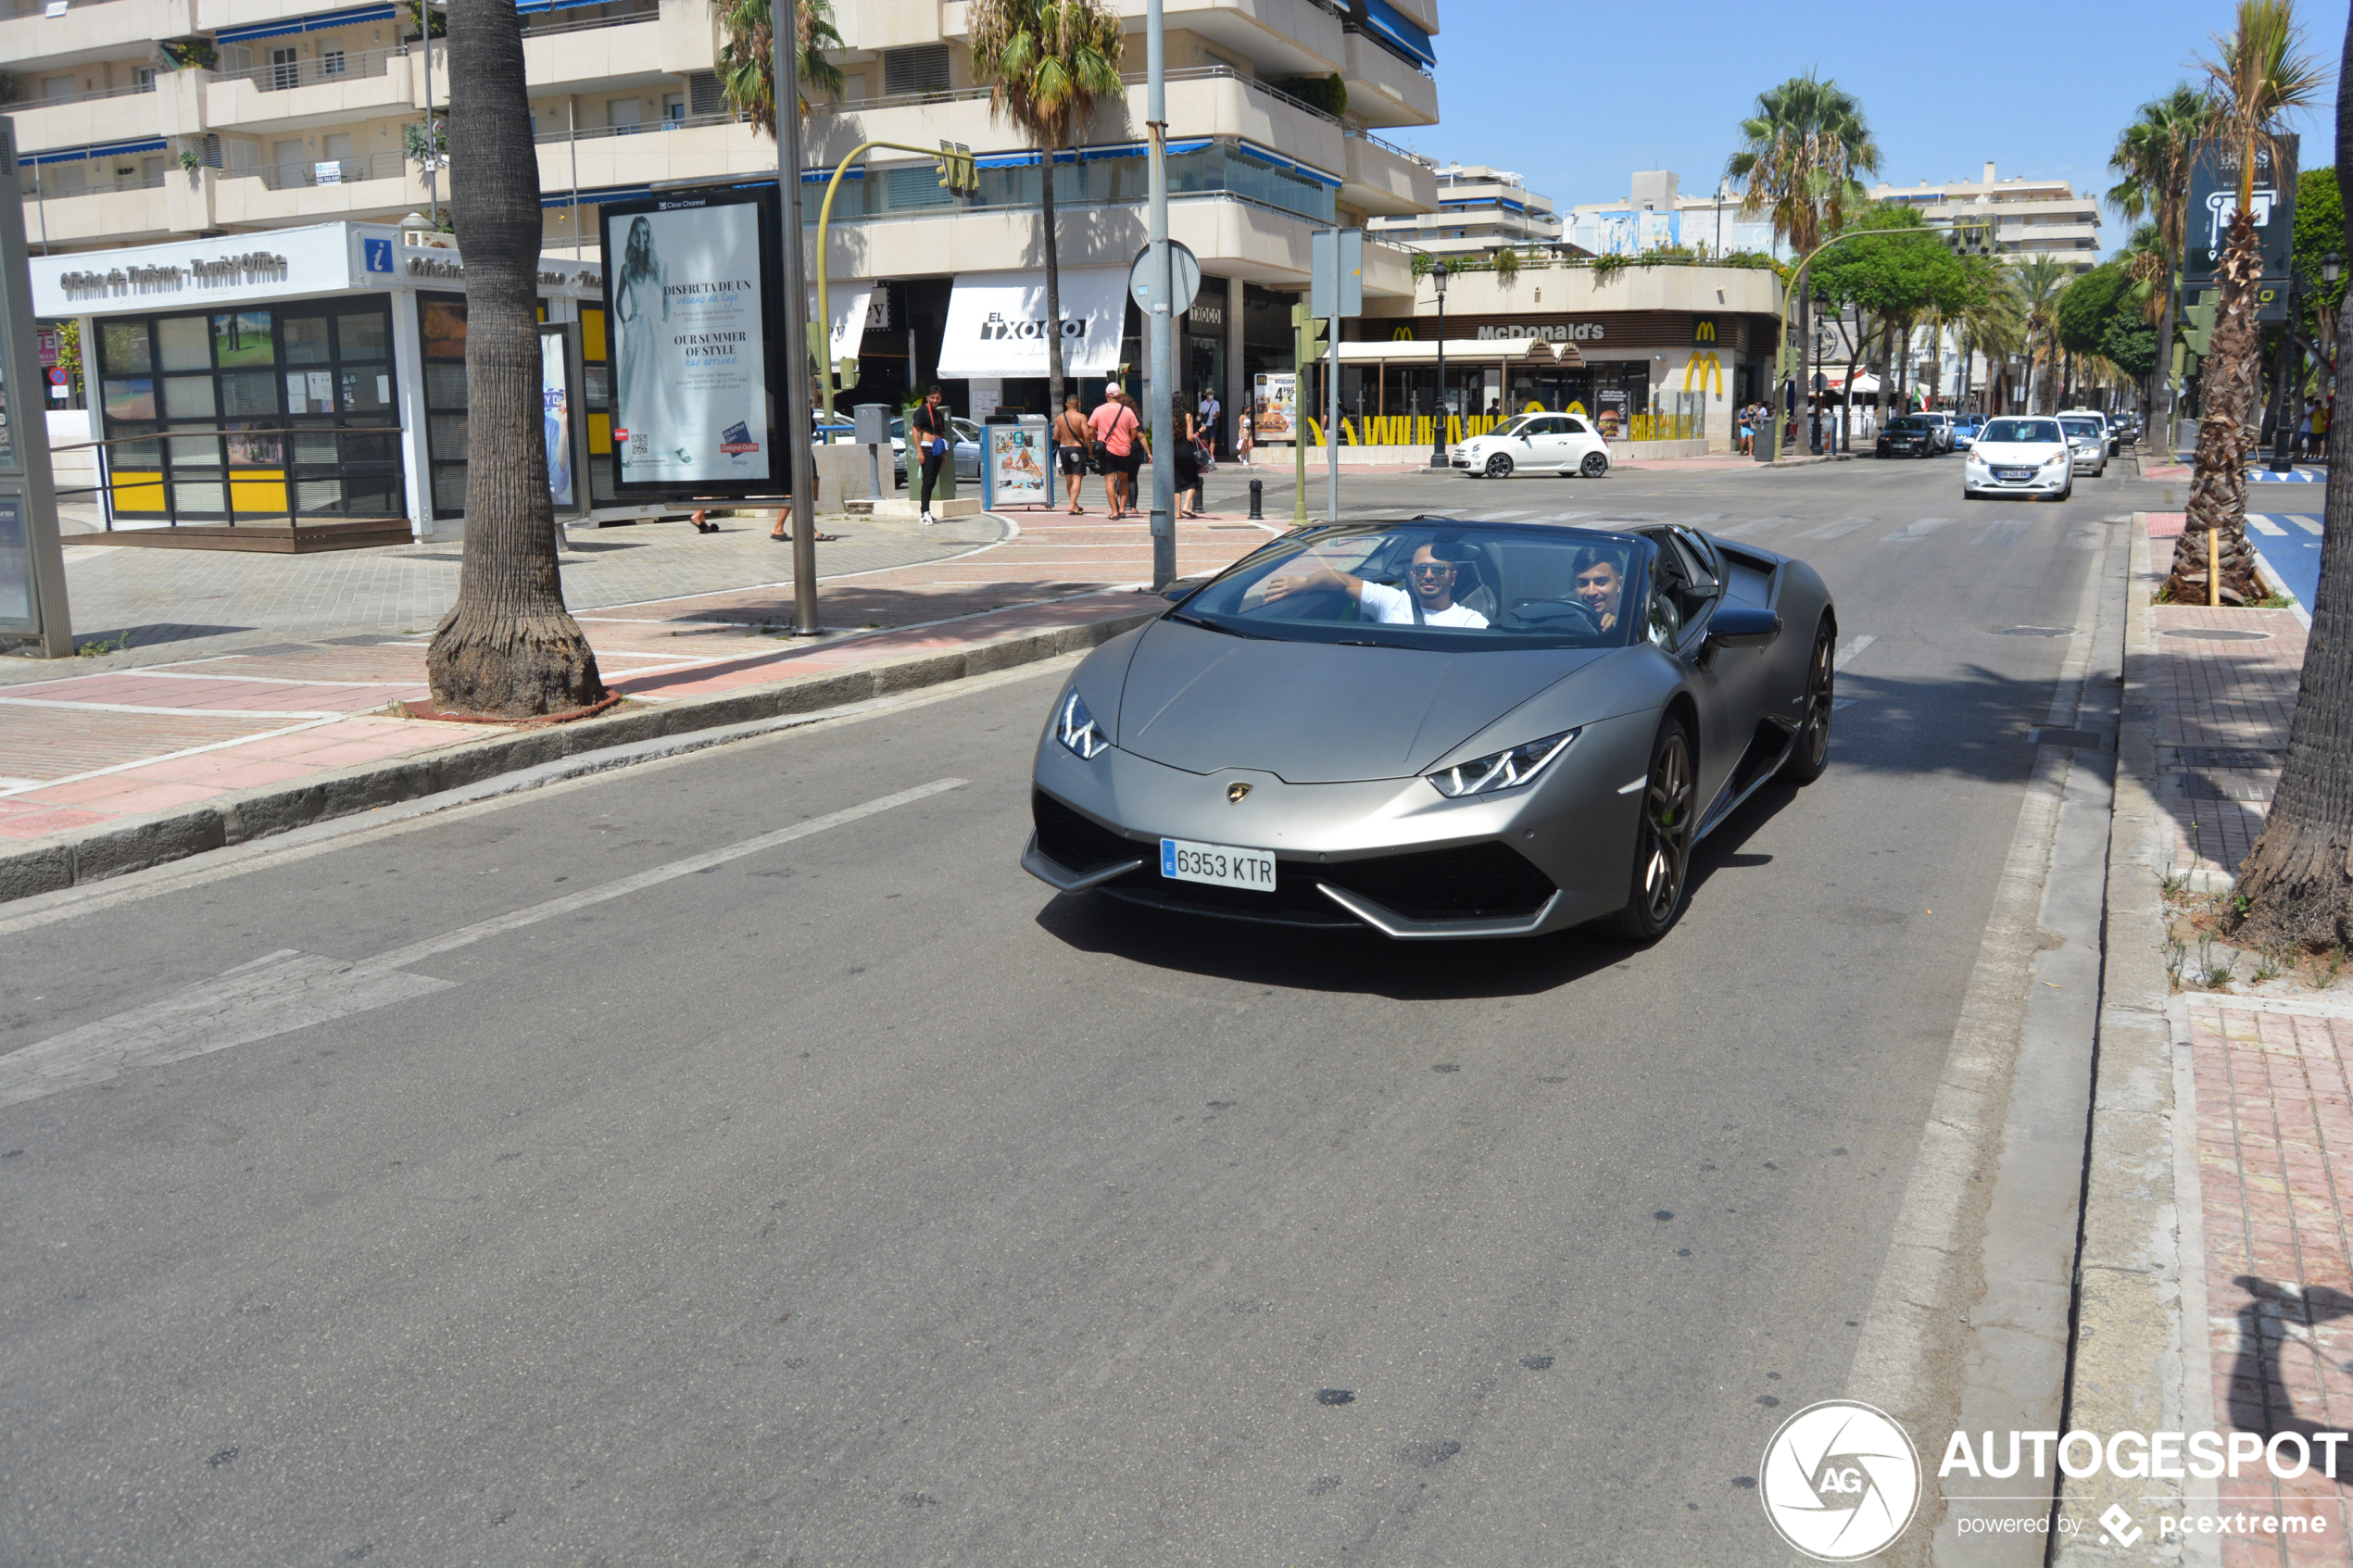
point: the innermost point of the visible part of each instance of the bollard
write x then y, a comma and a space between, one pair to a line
1257, 500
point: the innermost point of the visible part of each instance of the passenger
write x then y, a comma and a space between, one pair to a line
1599, 584
1430, 601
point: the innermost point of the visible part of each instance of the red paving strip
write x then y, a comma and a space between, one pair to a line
2275, 1176
96, 747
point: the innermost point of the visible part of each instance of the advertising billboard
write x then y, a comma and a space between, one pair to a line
555, 417
688, 279
2214, 202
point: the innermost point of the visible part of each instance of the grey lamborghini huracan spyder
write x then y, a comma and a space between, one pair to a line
1438, 729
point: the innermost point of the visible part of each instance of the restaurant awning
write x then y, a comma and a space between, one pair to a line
847, 302
997, 322
1465, 351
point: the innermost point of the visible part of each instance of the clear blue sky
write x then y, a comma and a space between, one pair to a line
1577, 97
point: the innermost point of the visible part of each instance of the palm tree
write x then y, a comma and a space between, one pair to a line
2040, 283
507, 648
2295, 885
1990, 320
1048, 64
1799, 156
2258, 76
747, 57
2153, 158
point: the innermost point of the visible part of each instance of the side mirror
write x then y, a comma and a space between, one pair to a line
1743, 626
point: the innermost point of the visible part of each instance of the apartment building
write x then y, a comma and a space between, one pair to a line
2021, 217
1480, 209
148, 125
1656, 215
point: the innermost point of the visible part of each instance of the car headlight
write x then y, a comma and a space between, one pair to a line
1075, 727
2057, 460
1508, 769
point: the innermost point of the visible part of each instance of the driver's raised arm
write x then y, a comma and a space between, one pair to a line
1303, 576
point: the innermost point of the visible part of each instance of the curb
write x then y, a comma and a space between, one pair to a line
46, 865
2138, 1356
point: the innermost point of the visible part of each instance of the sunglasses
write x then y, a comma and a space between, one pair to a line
1431, 568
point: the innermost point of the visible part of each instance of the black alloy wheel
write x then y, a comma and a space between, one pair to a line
1595, 465
1500, 466
1811, 755
1662, 838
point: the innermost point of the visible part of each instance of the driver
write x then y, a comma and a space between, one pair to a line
1427, 601
1599, 585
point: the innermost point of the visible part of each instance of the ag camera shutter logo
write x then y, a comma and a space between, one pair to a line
1841, 1480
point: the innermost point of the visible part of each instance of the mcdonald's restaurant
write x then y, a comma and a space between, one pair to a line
1650, 353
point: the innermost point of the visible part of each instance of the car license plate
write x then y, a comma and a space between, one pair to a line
2013, 473
1221, 865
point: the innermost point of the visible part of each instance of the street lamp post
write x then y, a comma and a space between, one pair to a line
1438, 405
1822, 302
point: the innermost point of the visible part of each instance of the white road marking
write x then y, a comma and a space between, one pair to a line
288, 990
181, 712
1854, 646
1918, 528
2265, 525
1733, 530
2305, 523
1833, 530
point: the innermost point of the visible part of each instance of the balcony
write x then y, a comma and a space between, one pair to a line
278, 194
1280, 37
1383, 89
328, 90
122, 216
621, 156
93, 29
117, 115
1385, 178
566, 52
1202, 101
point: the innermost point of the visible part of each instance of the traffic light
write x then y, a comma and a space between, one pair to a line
2198, 325
1309, 330
959, 175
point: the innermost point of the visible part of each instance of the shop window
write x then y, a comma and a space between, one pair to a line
122, 347
242, 337
184, 344
129, 397
305, 339
188, 398
366, 335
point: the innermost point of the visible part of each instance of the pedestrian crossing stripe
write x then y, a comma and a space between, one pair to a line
2305, 523
1919, 529
2265, 525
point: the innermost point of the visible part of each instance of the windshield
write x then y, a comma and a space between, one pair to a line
1908, 423
1517, 426
1453, 587
2045, 430
2082, 427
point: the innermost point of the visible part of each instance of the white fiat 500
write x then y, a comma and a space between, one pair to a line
1562, 444
2015, 455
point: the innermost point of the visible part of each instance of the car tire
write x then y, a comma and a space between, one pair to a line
1500, 466
1665, 814
1811, 755
1595, 465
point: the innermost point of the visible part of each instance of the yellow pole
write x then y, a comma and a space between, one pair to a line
824, 218
2213, 573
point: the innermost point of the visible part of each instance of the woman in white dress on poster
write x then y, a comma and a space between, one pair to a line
646, 404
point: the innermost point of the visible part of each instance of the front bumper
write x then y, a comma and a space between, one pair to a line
1390, 855
2042, 482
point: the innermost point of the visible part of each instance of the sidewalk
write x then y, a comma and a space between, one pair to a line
2217, 1267
127, 765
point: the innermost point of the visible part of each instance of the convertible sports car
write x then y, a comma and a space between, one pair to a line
1438, 729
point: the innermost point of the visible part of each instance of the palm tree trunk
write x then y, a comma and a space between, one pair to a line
2298, 880
1053, 294
2218, 489
507, 648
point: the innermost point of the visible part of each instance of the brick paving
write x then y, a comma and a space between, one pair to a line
79, 750
2275, 1173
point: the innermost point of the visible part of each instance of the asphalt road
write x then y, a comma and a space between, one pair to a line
854, 1199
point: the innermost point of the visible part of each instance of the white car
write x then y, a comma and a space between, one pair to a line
2110, 434
1561, 444
2019, 456
2088, 434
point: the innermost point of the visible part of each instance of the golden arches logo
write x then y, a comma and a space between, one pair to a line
1703, 329
1705, 373
1402, 334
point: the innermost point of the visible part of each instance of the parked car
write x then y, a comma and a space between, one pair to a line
1941, 425
1909, 435
1560, 444
967, 453
2020, 455
1965, 431
2088, 434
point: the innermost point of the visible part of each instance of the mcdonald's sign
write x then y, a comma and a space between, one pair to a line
1705, 371
1703, 329
1402, 334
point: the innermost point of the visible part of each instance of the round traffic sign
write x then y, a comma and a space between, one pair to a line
56, 375
1184, 276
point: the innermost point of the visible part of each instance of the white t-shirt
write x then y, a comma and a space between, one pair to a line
1394, 607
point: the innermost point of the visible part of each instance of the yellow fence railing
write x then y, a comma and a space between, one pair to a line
1412, 430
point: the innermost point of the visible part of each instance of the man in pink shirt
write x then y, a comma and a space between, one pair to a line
1113, 426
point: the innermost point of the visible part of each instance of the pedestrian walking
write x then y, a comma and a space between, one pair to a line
1185, 461
1246, 436
1211, 412
931, 428
1113, 431
1070, 442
